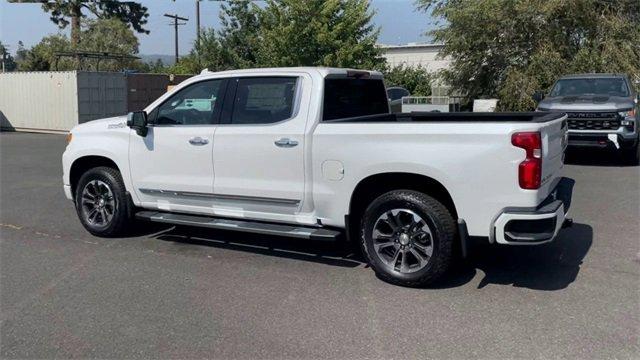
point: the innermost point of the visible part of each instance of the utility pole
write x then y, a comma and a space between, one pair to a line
198, 22
175, 27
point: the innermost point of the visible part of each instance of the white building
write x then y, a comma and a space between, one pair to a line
427, 56
414, 54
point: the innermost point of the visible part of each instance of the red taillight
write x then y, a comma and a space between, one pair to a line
530, 170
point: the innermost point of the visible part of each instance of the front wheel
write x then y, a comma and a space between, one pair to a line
407, 237
633, 153
102, 203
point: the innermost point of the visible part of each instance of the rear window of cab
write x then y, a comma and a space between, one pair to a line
346, 98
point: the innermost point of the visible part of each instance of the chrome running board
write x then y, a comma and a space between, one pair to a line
296, 231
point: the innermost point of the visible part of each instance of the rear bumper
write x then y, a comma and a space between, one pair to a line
533, 226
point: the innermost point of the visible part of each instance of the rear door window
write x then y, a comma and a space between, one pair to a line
345, 98
264, 100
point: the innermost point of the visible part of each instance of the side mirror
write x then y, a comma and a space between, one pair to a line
137, 120
538, 96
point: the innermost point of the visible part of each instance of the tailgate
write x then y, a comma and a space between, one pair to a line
554, 143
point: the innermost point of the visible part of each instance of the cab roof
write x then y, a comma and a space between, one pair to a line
323, 71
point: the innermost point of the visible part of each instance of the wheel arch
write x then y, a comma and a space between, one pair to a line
83, 164
375, 185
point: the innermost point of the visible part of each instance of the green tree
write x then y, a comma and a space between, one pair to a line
239, 34
318, 33
112, 36
231, 47
510, 48
8, 63
101, 35
287, 33
65, 12
156, 67
206, 53
41, 57
21, 52
415, 79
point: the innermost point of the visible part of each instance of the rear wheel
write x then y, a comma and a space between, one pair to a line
407, 237
102, 203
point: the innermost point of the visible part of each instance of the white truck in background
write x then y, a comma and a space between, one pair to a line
314, 153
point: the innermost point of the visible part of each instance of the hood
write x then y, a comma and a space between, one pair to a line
102, 125
587, 103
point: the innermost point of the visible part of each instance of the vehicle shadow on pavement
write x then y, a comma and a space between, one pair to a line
548, 267
596, 157
335, 253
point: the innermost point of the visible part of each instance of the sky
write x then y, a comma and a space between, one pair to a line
400, 23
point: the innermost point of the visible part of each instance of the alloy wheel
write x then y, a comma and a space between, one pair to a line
402, 240
98, 203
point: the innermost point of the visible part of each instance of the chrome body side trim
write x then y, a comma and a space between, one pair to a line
276, 201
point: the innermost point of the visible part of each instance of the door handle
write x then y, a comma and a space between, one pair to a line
286, 143
198, 141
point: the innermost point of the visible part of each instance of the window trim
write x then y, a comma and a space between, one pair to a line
215, 120
230, 100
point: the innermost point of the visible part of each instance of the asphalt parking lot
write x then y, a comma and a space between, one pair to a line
186, 293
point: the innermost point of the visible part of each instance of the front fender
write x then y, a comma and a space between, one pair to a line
114, 146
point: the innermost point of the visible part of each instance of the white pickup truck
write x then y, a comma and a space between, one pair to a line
314, 153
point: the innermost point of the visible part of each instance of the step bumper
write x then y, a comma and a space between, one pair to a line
523, 226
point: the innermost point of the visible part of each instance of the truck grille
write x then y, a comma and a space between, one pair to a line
593, 120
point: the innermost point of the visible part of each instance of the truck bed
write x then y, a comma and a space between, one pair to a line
537, 117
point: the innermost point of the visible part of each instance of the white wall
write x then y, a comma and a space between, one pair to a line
414, 55
38, 100
59, 100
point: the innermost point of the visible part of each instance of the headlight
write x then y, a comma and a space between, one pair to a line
628, 115
628, 119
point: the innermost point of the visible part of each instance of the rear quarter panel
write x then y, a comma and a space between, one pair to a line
475, 162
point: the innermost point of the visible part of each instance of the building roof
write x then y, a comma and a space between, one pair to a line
412, 45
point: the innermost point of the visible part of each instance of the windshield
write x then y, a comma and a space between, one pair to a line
592, 86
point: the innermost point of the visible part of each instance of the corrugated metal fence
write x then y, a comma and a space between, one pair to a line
57, 101
143, 89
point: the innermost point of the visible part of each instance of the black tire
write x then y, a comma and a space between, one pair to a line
442, 233
121, 208
633, 154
